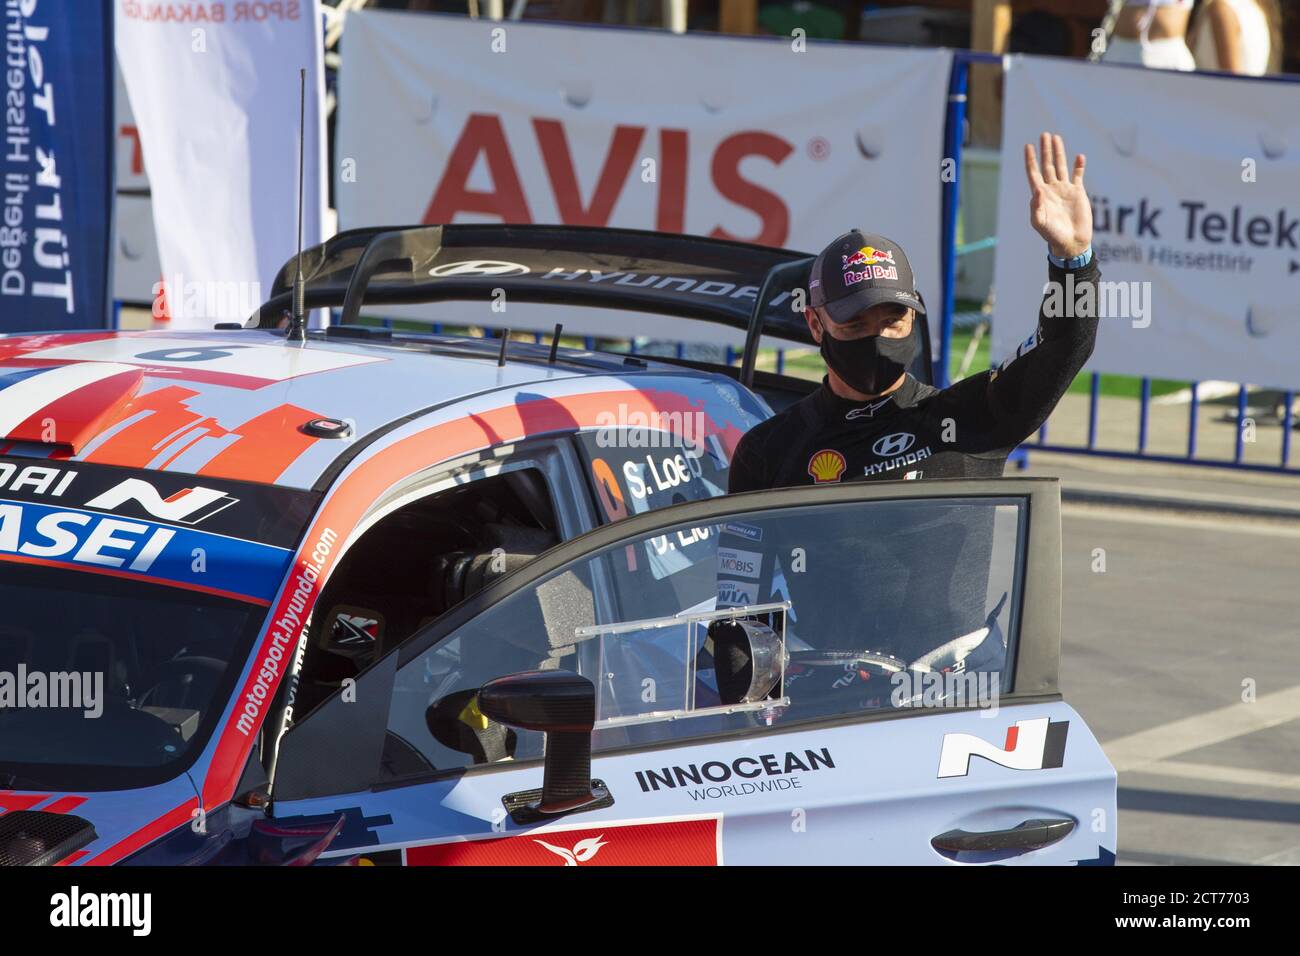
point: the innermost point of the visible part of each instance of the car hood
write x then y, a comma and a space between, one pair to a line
70, 829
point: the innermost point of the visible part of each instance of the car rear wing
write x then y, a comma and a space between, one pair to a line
736, 284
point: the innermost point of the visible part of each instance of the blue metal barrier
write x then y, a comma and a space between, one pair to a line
953, 137
950, 251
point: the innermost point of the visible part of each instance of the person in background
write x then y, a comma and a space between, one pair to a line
1152, 33
1238, 36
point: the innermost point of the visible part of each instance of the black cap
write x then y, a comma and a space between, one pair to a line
859, 270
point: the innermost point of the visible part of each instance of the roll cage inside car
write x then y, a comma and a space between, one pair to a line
736, 284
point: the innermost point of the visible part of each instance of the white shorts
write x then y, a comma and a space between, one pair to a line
1169, 53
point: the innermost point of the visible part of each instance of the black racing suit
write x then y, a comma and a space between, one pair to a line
919, 431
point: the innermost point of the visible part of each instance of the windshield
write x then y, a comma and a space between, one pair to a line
128, 606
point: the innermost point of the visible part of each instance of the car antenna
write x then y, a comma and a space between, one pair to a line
298, 320
505, 339
555, 343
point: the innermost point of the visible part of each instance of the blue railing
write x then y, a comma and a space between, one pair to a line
951, 250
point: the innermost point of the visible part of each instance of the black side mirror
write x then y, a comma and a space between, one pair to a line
563, 706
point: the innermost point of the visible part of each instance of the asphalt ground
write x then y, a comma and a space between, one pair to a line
1181, 649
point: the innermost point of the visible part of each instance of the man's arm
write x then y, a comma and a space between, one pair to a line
1019, 394
1023, 390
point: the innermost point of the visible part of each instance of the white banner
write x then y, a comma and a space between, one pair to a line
1195, 187
214, 89
445, 119
136, 268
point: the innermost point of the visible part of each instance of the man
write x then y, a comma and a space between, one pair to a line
872, 420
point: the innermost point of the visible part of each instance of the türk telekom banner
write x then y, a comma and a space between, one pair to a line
56, 166
446, 119
1195, 187
214, 90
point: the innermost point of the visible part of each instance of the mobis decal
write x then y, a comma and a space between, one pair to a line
1037, 744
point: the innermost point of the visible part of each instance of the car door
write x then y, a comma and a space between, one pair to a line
864, 673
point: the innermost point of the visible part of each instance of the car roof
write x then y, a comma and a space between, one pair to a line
234, 404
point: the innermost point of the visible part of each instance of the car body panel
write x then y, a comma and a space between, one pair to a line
230, 406
418, 410
125, 821
872, 796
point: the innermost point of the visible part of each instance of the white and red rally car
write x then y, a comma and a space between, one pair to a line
423, 598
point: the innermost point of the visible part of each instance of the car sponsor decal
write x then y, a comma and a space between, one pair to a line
157, 428
740, 777
737, 593
263, 513
370, 477
215, 361
141, 550
1036, 744
749, 532
63, 405
685, 841
187, 506
745, 564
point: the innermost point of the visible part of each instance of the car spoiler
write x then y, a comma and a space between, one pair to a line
737, 284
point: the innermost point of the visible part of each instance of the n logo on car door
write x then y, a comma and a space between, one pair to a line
1036, 744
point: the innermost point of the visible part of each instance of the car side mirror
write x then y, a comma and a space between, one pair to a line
563, 706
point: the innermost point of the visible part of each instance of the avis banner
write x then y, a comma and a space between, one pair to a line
774, 141
1195, 189
214, 92
56, 168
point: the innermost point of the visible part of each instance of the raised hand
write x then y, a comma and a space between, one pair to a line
1059, 209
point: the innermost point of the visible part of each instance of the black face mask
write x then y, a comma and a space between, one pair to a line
871, 364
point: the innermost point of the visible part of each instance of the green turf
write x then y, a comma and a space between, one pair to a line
1112, 386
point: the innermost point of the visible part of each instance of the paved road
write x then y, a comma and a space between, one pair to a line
1156, 650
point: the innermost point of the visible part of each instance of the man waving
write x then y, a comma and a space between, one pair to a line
871, 419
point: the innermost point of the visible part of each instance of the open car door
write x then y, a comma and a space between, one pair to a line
860, 673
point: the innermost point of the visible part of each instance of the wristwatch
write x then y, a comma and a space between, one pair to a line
1074, 262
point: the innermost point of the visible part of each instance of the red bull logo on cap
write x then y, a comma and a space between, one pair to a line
868, 255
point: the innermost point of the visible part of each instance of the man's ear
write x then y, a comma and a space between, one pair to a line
814, 324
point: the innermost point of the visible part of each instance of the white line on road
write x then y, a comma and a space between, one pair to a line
1179, 520
1218, 774
1138, 751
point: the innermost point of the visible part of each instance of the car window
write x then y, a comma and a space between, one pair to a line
634, 470
868, 596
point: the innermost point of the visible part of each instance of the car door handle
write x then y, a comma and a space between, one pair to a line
1030, 835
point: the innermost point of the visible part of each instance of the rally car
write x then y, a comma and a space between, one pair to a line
365, 596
